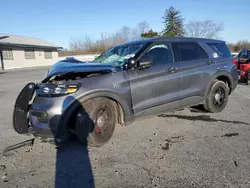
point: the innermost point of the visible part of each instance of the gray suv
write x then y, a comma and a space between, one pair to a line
128, 81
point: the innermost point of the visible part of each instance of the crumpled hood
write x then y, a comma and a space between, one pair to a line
66, 66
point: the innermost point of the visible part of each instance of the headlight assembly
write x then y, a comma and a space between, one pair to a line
53, 89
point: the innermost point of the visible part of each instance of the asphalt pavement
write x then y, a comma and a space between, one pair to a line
178, 149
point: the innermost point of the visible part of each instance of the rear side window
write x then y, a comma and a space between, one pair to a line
187, 51
221, 49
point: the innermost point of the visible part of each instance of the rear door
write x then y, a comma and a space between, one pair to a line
220, 60
191, 61
158, 84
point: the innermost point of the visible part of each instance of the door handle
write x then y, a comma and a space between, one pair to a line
173, 69
210, 62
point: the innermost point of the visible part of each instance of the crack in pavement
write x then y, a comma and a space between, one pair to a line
205, 118
227, 135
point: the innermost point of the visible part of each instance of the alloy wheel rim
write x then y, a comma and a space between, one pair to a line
219, 97
103, 120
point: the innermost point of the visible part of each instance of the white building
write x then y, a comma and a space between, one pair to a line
18, 52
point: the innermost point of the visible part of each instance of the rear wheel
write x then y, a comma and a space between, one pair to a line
217, 97
95, 121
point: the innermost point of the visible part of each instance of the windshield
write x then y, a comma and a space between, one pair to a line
118, 55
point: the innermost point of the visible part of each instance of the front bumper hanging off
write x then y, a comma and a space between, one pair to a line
41, 116
21, 109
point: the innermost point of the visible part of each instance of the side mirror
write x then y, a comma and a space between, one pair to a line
131, 62
144, 64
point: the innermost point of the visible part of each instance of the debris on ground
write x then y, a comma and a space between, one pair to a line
170, 141
166, 147
29, 142
235, 163
2, 167
29, 150
230, 135
4, 178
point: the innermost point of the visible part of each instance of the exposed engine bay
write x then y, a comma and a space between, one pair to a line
62, 78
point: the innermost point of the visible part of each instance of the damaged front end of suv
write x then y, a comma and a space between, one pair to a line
83, 98
41, 107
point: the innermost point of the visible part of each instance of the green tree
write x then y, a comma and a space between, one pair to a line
149, 34
173, 23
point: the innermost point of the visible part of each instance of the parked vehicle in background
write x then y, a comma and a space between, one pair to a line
128, 81
234, 55
242, 61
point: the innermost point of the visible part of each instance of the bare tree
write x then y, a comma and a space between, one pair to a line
203, 29
87, 43
143, 27
75, 43
124, 34
239, 45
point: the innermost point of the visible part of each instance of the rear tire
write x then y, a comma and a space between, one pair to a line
95, 121
217, 97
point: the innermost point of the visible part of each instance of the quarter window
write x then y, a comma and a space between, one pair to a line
188, 51
221, 49
29, 54
7, 54
48, 54
158, 54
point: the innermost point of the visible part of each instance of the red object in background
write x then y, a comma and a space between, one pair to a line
244, 67
242, 62
235, 61
242, 75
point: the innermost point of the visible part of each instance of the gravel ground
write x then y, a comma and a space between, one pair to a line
178, 149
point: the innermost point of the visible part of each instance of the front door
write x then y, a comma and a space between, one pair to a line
158, 84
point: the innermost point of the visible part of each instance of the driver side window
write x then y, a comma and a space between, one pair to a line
158, 54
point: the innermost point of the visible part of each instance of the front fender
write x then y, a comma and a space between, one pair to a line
75, 104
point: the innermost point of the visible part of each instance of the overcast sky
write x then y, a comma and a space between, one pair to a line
57, 21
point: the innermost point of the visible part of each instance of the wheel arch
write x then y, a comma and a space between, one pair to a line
67, 116
221, 76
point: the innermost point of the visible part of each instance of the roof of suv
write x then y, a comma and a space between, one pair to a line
172, 39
